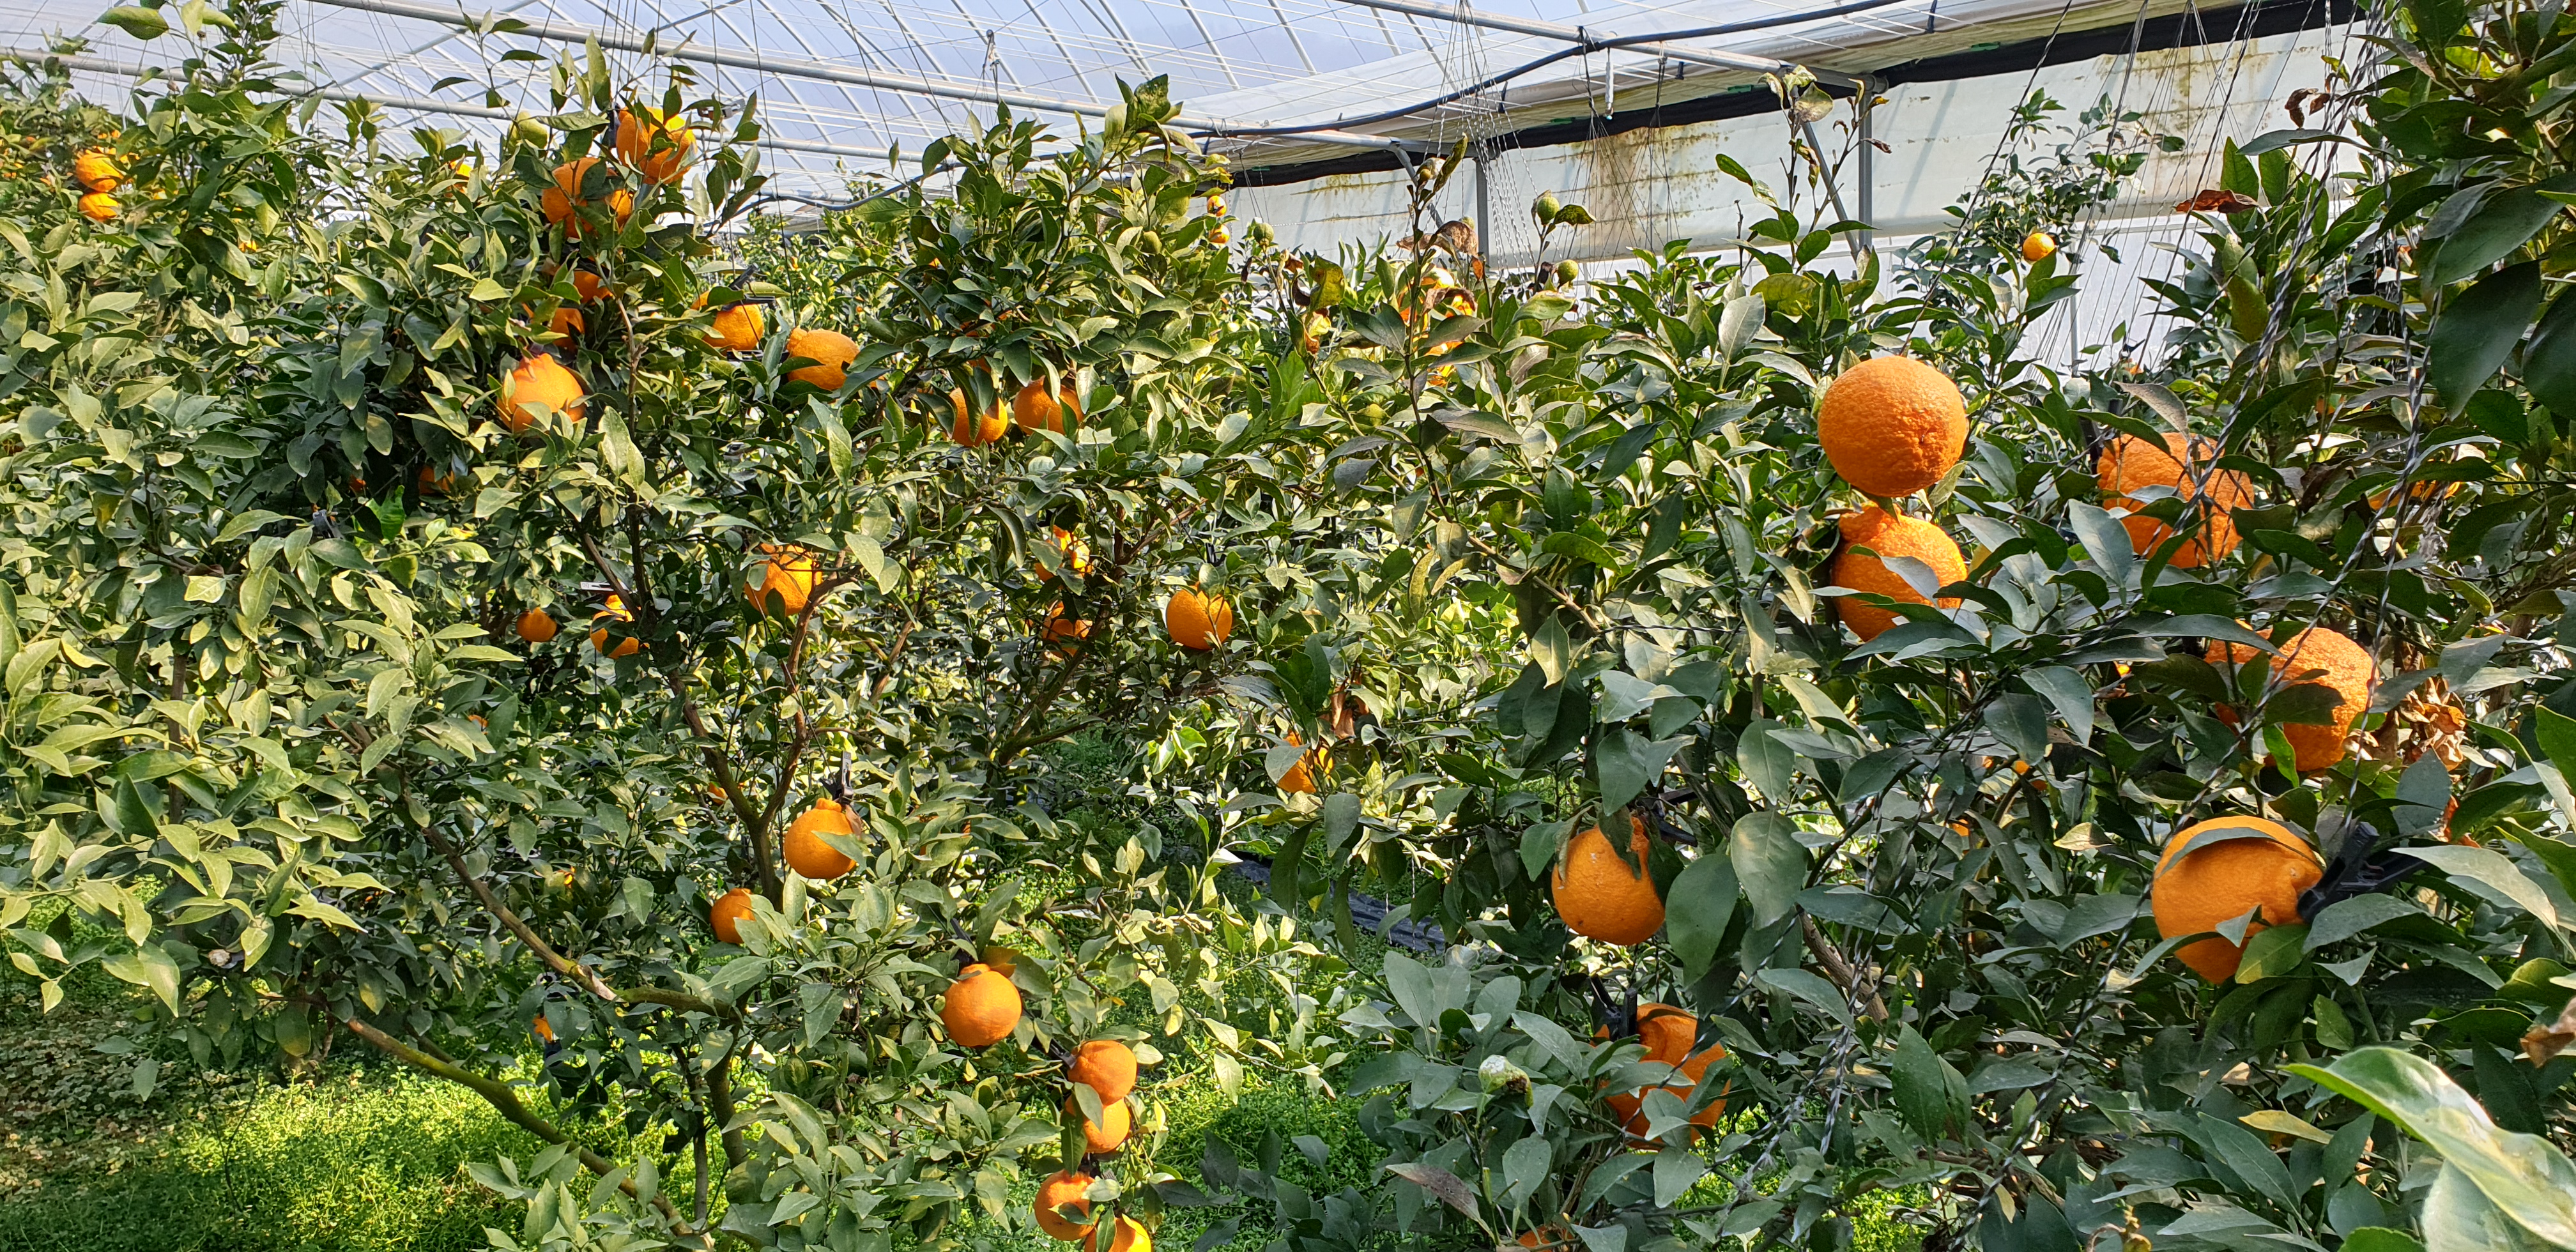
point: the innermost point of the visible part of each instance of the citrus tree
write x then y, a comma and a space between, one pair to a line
451, 599
2025, 785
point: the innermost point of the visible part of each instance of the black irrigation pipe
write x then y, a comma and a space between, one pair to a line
1367, 912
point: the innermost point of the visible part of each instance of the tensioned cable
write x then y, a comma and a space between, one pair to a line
1581, 48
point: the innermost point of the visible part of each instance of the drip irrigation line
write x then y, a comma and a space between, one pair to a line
1583, 48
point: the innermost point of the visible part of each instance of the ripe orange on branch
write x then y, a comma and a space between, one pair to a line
982, 1008
1196, 620
830, 350
1668, 1033
787, 580
1064, 1189
725, 917
655, 143
738, 328
2215, 883
96, 170
615, 611
535, 627
2315, 655
98, 206
803, 847
540, 382
1109, 1132
1599, 896
2038, 246
1131, 1236
1890, 535
1106, 1066
2186, 464
1892, 425
1035, 410
974, 430
563, 202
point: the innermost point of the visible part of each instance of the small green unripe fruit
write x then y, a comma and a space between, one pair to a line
1545, 207
1567, 271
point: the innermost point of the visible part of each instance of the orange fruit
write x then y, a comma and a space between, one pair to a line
976, 430
536, 627
1196, 620
540, 382
562, 202
787, 579
1064, 1189
803, 845
2217, 882
830, 350
98, 206
2314, 655
1064, 631
1892, 425
2183, 463
1888, 534
1299, 778
655, 143
1131, 1236
1071, 552
96, 170
588, 285
981, 1009
614, 611
738, 328
1599, 896
1110, 1131
1106, 1066
1034, 410
725, 918
2038, 246
433, 483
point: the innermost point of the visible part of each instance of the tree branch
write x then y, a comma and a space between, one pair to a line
506, 1102
556, 961
1840, 970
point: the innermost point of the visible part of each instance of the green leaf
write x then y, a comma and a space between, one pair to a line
135, 20
1921, 1086
2458, 1217
2549, 362
1809, 987
1539, 845
2380, 1239
2272, 953
2343, 919
1697, 910
1627, 764
2477, 329
2493, 869
1772, 767
2504, 221
1769, 862
2525, 1176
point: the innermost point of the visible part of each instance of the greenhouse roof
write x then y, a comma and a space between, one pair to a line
842, 80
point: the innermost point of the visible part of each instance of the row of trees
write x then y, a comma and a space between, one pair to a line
1406, 579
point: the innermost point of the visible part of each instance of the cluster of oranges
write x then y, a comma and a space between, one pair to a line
1602, 898
1108, 1067
1893, 426
97, 172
